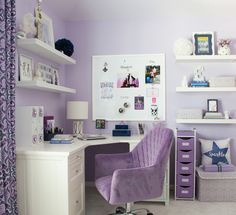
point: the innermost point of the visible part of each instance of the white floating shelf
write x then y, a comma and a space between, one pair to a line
205, 89
206, 58
206, 121
40, 85
44, 50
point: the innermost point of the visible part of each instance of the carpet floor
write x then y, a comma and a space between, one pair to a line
96, 205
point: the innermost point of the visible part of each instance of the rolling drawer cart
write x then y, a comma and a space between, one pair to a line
185, 163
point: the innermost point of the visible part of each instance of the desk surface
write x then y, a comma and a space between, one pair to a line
57, 149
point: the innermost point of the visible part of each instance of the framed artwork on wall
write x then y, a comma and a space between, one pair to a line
212, 105
25, 68
203, 43
100, 123
44, 28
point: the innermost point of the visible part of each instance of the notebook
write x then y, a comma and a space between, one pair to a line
91, 137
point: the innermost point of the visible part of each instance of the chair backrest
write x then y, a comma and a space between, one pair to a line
154, 148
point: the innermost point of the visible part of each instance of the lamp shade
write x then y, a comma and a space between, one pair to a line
77, 110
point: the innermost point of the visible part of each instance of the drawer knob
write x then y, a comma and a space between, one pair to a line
77, 201
77, 171
77, 157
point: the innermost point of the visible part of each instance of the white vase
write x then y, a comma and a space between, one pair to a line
224, 50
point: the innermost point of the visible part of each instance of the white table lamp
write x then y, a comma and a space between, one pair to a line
78, 111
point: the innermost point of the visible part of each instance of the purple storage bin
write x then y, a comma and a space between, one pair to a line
184, 192
185, 133
185, 143
185, 168
185, 180
221, 168
185, 156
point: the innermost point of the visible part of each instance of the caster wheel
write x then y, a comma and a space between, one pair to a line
120, 210
149, 213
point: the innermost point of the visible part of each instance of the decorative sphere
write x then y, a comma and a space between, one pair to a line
183, 46
65, 46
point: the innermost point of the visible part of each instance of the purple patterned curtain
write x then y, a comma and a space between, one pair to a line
7, 108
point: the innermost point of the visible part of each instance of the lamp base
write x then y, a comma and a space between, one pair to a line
78, 128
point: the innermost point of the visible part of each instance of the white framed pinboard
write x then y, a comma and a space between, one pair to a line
128, 87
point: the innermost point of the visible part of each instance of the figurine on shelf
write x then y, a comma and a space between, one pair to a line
184, 82
199, 78
27, 27
198, 74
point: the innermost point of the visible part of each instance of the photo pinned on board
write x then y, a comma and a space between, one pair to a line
127, 80
139, 102
154, 111
152, 74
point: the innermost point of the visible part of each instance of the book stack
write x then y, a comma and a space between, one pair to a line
213, 115
199, 84
62, 139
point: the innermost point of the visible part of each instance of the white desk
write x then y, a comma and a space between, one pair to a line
50, 178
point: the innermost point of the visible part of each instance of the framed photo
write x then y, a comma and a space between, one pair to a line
25, 68
44, 28
203, 43
48, 76
212, 105
100, 123
55, 76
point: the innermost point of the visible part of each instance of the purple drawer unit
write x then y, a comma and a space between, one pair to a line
184, 168
185, 143
184, 192
184, 180
185, 133
185, 156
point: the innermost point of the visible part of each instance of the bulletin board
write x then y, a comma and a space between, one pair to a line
129, 87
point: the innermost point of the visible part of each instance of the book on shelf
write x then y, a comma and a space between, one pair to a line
199, 84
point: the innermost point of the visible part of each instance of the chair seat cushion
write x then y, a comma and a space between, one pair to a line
103, 185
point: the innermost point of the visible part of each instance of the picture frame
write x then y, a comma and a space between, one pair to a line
44, 28
212, 105
204, 43
100, 123
55, 76
25, 68
48, 76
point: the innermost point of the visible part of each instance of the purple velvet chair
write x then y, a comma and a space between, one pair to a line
137, 175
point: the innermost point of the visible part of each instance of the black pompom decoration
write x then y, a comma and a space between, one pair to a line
65, 45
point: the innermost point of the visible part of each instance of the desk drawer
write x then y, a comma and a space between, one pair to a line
76, 164
76, 196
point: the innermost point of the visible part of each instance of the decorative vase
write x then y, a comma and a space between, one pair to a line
224, 50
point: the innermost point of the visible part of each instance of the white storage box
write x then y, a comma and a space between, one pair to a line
189, 114
29, 125
224, 81
216, 186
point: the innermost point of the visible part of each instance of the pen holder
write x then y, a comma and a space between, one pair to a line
49, 136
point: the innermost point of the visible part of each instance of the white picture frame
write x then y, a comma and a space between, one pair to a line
44, 28
55, 76
25, 68
48, 77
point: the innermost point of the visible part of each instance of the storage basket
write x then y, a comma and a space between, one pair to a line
216, 186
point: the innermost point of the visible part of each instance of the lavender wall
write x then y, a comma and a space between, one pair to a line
155, 36
54, 104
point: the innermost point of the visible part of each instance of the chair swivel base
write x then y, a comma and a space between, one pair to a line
123, 211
